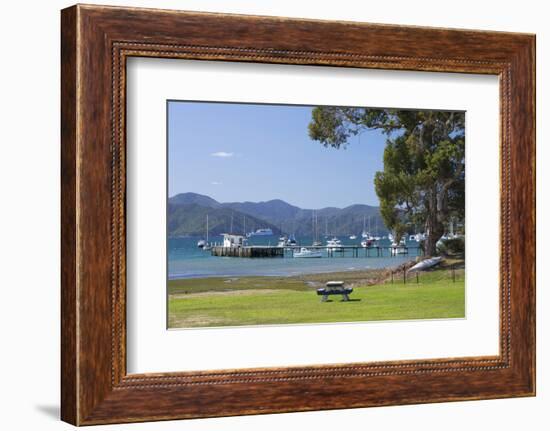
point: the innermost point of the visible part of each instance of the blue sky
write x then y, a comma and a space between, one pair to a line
255, 152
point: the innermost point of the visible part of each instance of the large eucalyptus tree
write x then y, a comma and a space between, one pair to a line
423, 178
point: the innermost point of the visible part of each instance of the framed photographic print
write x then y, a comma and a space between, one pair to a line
283, 215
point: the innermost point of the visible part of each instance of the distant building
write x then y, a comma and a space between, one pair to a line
233, 240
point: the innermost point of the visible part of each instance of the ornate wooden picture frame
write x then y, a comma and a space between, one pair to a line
96, 41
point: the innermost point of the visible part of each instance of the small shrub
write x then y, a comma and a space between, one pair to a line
454, 246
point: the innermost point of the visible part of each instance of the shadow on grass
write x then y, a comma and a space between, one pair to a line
349, 300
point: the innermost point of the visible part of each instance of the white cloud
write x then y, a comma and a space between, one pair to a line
221, 154
216, 183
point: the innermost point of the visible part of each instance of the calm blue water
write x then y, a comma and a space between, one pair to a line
186, 260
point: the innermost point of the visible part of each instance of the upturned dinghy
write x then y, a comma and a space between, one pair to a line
425, 264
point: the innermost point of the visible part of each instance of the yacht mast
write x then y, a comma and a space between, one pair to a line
313, 225
206, 228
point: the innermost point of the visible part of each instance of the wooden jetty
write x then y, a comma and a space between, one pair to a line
343, 251
372, 251
248, 251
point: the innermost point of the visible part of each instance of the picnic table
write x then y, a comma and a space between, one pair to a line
334, 288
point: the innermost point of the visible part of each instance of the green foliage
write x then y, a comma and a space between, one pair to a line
190, 219
454, 246
423, 178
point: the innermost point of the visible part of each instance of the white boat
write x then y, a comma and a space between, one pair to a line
398, 248
334, 244
283, 241
441, 241
353, 237
420, 237
306, 253
426, 263
448, 235
366, 243
203, 243
260, 232
364, 234
315, 231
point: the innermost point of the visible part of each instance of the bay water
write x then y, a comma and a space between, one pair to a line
186, 260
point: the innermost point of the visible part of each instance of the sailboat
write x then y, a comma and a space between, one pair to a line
377, 234
206, 245
397, 247
283, 241
365, 234
315, 231
366, 243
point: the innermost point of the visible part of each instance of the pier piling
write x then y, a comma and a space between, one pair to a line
276, 251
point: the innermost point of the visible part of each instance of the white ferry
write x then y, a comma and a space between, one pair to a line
260, 232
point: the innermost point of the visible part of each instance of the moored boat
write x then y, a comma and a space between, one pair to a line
334, 244
283, 241
367, 243
398, 249
306, 253
260, 232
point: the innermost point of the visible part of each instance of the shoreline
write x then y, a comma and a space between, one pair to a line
302, 282
304, 274
298, 282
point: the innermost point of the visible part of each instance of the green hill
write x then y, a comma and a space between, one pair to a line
190, 219
187, 216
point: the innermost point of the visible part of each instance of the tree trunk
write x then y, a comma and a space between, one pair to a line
434, 227
434, 231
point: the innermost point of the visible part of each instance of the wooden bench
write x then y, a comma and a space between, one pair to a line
334, 288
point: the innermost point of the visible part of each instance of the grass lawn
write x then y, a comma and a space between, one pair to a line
283, 300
